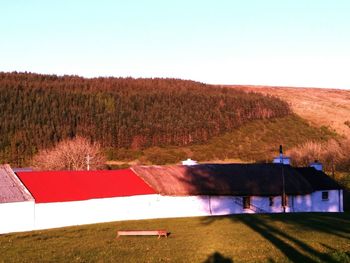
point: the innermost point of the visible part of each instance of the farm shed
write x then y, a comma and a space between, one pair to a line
65, 198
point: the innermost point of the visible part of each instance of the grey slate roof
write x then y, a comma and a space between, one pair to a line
318, 179
224, 179
11, 188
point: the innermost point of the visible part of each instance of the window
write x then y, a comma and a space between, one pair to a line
246, 202
271, 201
325, 196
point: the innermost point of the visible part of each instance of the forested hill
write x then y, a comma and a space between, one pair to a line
37, 111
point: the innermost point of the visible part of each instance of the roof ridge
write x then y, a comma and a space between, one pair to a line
133, 170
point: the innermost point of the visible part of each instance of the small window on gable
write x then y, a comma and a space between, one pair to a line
271, 201
325, 195
246, 202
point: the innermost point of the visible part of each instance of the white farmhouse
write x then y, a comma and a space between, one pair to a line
220, 189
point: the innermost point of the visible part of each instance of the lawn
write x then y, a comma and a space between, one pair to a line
302, 237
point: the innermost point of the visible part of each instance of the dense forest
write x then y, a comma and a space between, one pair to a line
37, 111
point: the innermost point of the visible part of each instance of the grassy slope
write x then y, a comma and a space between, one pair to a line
260, 140
255, 141
328, 107
242, 238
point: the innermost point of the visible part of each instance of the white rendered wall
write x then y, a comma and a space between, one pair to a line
223, 205
16, 216
314, 202
179, 206
333, 204
50, 215
24, 216
301, 203
264, 203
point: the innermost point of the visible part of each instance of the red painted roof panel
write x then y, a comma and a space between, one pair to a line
63, 186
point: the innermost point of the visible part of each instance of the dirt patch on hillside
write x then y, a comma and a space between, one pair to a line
322, 107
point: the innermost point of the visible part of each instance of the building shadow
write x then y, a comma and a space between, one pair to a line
294, 249
199, 180
328, 223
217, 258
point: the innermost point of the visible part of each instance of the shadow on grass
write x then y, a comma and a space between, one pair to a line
217, 258
320, 222
293, 248
201, 179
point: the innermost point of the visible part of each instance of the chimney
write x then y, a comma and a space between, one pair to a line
281, 152
281, 158
317, 165
189, 162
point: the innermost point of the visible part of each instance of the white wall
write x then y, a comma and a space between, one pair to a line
179, 206
301, 203
20, 216
330, 205
223, 205
49, 215
314, 202
16, 216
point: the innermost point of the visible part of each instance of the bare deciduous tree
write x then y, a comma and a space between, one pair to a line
330, 153
306, 153
71, 155
345, 146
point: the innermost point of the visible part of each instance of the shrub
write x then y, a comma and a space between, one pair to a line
73, 154
333, 154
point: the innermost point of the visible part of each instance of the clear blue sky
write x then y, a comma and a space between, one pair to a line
267, 42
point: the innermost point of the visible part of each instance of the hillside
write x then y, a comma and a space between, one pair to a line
162, 120
37, 111
257, 140
299, 237
322, 107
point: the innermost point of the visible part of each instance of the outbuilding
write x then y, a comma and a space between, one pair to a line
16, 203
65, 198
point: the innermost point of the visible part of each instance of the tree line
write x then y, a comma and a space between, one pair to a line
38, 111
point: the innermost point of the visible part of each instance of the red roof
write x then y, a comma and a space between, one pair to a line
63, 186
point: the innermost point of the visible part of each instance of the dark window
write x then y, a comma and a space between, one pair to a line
325, 195
271, 201
246, 202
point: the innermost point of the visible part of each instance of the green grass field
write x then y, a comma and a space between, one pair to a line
303, 237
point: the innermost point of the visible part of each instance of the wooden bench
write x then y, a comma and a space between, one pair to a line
158, 233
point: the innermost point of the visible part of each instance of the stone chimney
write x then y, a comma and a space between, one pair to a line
281, 158
189, 162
